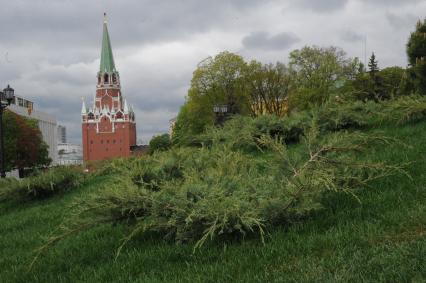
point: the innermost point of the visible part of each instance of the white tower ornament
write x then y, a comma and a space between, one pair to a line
126, 107
83, 107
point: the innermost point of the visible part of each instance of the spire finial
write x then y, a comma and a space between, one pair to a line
105, 18
83, 107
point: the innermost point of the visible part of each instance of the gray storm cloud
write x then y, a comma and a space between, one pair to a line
262, 40
351, 36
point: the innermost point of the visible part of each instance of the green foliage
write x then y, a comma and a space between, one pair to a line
397, 81
339, 115
406, 109
408, 82
391, 82
222, 190
373, 66
270, 86
416, 52
249, 130
218, 80
160, 143
317, 72
6, 183
336, 116
51, 182
416, 47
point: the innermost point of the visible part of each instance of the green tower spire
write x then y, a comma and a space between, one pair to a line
107, 60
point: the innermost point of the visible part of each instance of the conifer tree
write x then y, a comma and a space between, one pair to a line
416, 52
373, 66
377, 88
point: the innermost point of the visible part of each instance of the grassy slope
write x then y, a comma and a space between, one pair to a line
381, 239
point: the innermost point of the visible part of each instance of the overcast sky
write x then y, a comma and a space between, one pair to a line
49, 50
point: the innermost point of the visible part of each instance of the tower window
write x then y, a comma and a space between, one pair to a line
114, 78
106, 78
99, 80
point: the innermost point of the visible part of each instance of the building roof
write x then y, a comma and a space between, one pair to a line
107, 60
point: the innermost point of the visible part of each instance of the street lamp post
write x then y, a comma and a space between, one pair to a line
8, 94
220, 111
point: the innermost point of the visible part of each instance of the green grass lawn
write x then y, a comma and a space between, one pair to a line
381, 238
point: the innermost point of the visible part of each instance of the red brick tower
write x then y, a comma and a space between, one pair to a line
109, 128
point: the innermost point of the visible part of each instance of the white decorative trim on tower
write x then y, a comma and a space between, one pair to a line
83, 108
126, 107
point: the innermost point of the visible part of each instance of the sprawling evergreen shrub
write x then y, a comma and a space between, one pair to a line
195, 194
53, 181
335, 116
243, 133
404, 110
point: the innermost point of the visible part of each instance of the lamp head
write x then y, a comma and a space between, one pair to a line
9, 94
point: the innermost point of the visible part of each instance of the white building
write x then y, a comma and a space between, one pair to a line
46, 123
62, 134
70, 154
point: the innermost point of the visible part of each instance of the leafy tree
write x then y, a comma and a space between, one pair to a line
318, 72
24, 146
218, 80
388, 83
416, 51
160, 143
270, 86
393, 79
408, 82
221, 80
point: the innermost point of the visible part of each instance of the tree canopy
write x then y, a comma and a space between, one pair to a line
23, 143
270, 86
159, 143
218, 80
317, 72
416, 52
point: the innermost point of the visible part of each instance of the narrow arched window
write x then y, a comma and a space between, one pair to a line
106, 78
114, 79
